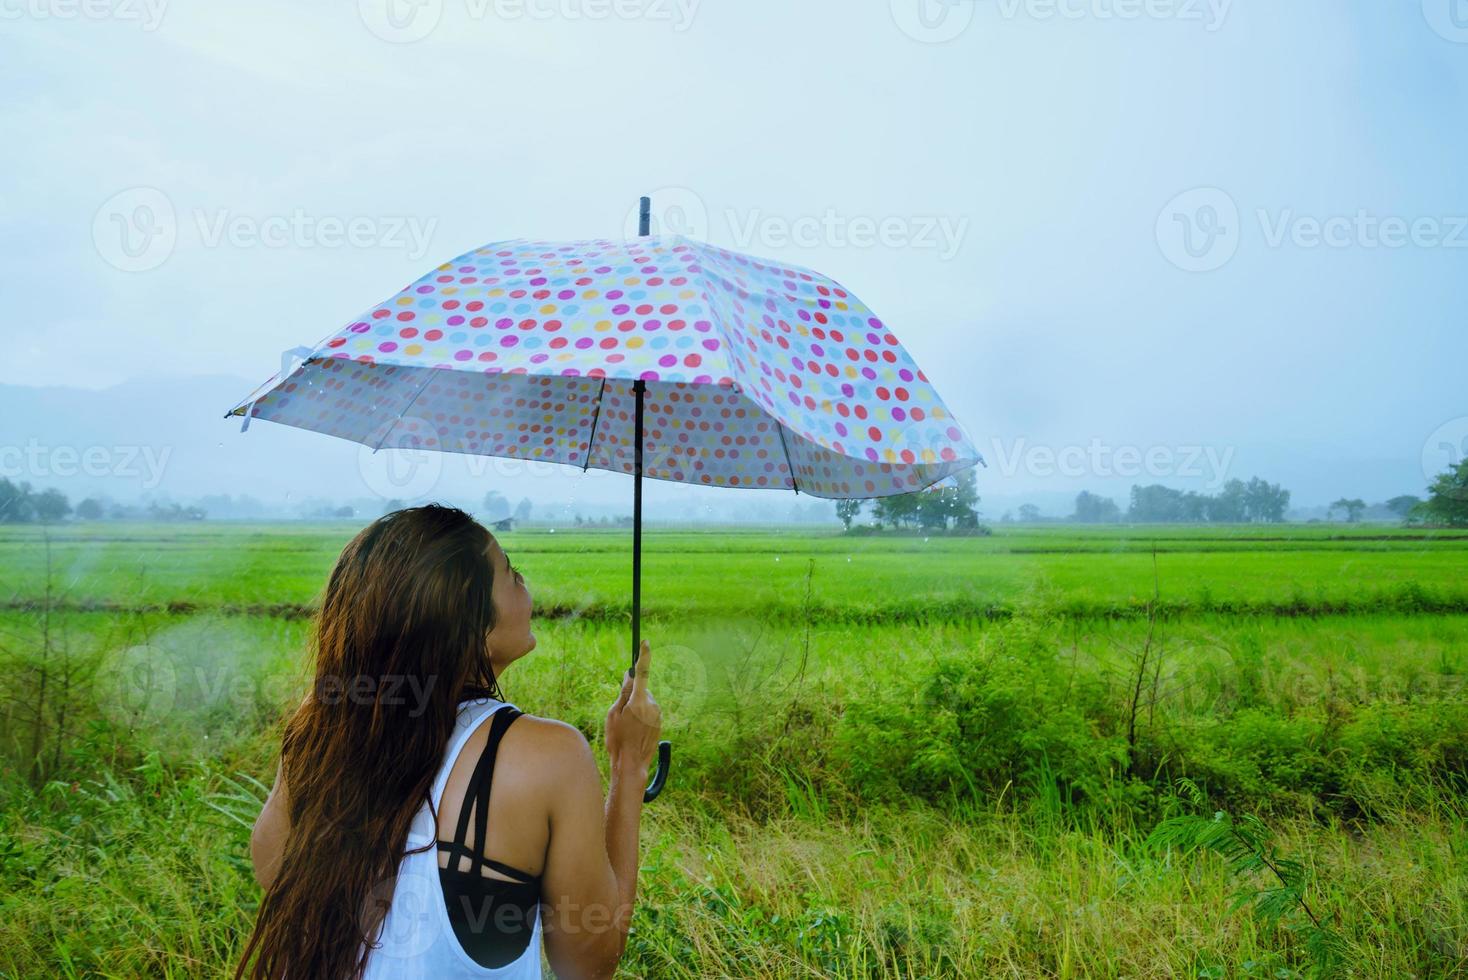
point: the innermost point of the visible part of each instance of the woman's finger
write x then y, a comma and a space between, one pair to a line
639, 677
624, 693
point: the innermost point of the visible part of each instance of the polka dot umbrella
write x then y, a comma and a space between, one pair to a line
662, 356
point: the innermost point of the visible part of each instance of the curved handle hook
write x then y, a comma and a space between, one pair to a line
659, 777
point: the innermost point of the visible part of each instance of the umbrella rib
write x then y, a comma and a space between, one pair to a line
780, 428
591, 442
421, 388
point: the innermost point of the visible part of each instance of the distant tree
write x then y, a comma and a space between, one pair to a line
1266, 502
1194, 506
962, 496
344, 511
1157, 504
392, 505
955, 500
932, 510
523, 509
90, 509
1351, 508
847, 511
1028, 513
1447, 498
51, 506
1403, 506
896, 511
17, 503
1094, 509
1230, 505
496, 507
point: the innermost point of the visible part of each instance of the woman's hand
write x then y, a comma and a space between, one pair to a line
634, 722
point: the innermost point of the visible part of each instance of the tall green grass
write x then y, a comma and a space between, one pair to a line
854, 795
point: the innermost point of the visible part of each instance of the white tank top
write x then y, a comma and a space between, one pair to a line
417, 939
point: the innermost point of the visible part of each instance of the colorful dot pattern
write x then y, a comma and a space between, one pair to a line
757, 374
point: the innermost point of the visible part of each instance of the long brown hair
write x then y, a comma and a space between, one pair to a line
408, 602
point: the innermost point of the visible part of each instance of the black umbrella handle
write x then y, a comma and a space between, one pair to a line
665, 761
639, 389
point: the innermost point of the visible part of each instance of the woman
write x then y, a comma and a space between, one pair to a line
381, 848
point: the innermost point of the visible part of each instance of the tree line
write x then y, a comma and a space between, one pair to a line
21, 504
1256, 502
954, 505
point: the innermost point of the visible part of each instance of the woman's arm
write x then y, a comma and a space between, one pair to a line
589, 886
267, 840
590, 879
623, 825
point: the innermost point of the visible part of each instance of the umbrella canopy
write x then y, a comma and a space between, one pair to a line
757, 374
661, 357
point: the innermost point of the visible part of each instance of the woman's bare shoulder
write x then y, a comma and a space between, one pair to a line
556, 748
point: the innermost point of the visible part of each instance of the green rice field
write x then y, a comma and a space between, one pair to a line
895, 756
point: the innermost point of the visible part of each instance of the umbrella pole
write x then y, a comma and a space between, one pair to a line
639, 388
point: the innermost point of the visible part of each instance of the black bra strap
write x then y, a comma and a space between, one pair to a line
476, 796
456, 851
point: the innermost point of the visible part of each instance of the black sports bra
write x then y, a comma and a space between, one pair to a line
493, 919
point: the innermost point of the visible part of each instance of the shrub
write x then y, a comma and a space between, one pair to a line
1006, 716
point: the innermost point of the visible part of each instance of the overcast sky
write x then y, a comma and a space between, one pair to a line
1233, 235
